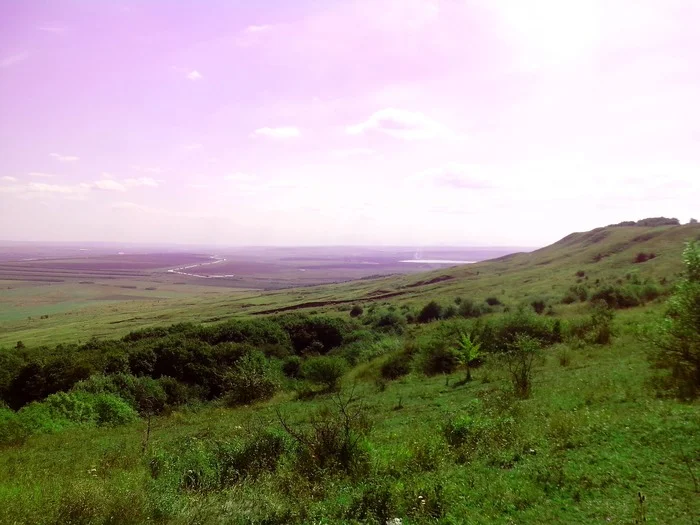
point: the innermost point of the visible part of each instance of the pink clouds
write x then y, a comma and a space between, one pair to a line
384, 117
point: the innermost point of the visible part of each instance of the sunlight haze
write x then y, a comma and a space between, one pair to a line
403, 122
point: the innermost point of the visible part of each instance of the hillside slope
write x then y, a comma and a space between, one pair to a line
603, 254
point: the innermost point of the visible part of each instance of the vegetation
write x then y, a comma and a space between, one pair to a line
330, 418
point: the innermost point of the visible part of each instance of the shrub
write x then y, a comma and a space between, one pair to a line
617, 297
449, 312
304, 330
112, 410
538, 306
493, 301
332, 442
391, 322
325, 370
469, 309
356, 311
292, 367
397, 365
12, 429
250, 458
252, 379
439, 358
458, 430
501, 334
520, 360
602, 324
677, 339
430, 312
143, 393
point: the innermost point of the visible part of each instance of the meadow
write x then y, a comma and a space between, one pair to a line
547, 387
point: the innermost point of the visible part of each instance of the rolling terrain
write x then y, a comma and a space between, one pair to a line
605, 254
349, 403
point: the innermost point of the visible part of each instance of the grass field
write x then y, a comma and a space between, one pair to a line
598, 436
591, 437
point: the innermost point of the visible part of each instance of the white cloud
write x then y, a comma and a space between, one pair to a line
41, 174
258, 28
147, 169
108, 185
9, 178
64, 158
401, 124
456, 176
126, 206
141, 181
352, 152
194, 75
284, 132
13, 59
240, 177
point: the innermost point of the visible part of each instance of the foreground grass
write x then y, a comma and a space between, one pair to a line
591, 437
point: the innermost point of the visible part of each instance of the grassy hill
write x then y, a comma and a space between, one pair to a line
271, 418
604, 254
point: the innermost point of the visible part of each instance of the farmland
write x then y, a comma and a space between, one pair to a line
50, 290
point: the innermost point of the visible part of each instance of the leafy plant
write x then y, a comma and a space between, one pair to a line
469, 347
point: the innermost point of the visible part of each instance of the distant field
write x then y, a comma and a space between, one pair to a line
77, 292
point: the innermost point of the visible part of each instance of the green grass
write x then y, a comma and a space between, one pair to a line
591, 437
595, 432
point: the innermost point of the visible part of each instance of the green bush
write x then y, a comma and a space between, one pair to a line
469, 309
334, 440
617, 297
430, 312
12, 429
292, 367
390, 322
305, 330
252, 379
677, 338
439, 357
520, 360
325, 370
145, 394
397, 365
500, 334
356, 311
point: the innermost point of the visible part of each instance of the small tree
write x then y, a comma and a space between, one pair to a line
520, 360
678, 337
469, 350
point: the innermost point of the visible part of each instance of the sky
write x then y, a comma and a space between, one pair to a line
329, 122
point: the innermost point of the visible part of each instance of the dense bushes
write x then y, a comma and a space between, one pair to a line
325, 370
187, 360
677, 339
62, 410
252, 379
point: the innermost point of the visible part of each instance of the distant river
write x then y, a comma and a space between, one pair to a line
436, 261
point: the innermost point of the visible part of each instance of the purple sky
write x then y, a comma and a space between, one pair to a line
501, 122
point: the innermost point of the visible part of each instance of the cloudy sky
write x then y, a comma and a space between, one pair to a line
414, 122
